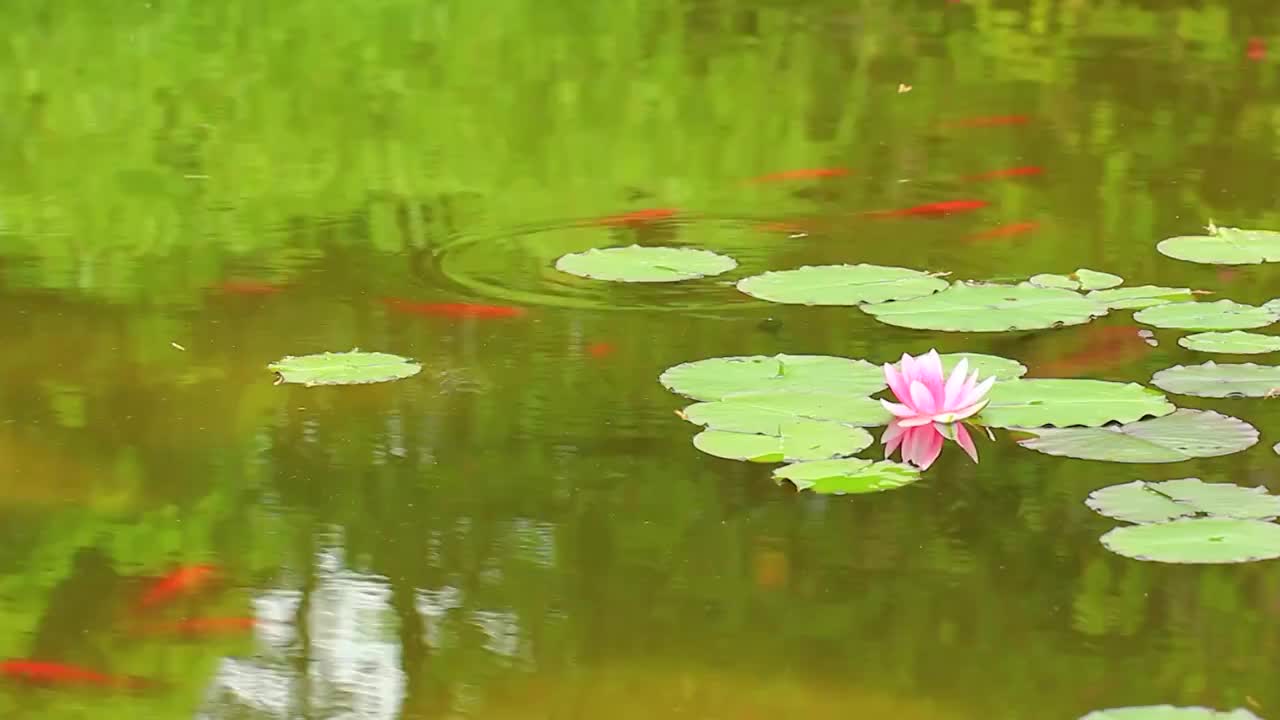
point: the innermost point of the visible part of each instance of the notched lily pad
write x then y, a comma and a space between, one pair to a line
1236, 342
766, 412
848, 476
1197, 541
645, 264
1220, 381
1061, 403
1142, 296
344, 368
1082, 279
1224, 246
793, 442
1184, 435
1149, 502
841, 285
1168, 712
987, 365
1218, 315
966, 307
717, 378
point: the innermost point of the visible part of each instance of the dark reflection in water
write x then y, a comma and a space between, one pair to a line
192, 191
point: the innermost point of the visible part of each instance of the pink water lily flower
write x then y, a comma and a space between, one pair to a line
930, 407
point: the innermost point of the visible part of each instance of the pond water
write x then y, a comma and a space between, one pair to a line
190, 191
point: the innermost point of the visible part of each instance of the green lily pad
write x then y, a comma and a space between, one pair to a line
1197, 541
344, 368
794, 441
841, 285
1219, 315
1035, 403
1149, 502
1224, 246
1236, 342
848, 476
645, 264
717, 378
1219, 381
1142, 296
766, 412
1184, 435
967, 307
1168, 712
1082, 279
986, 365
1064, 282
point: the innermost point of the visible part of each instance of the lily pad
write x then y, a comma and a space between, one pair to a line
1184, 435
1064, 282
848, 476
716, 378
1236, 342
1197, 541
841, 285
1149, 502
1168, 712
1224, 246
344, 368
1082, 279
793, 442
989, 308
1060, 403
1219, 315
987, 365
1142, 296
645, 264
1219, 381
766, 412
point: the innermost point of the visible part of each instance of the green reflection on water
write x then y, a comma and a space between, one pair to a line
523, 530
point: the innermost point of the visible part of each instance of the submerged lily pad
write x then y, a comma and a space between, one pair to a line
989, 308
847, 476
1219, 381
1142, 296
716, 378
1168, 712
1224, 246
841, 285
1236, 342
766, 412
1034, 403
344, 368
1184, 435
1197, 541
1149, 502
794, 441
1219, 315
1082, 279
645, 264
987, 365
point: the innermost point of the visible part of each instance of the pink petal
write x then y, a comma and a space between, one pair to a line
930, 447
907, 366
897, 383
931, 375
954, 384
921, 399
898, 409
961, 413
910, 445
963, 440
915, 421
892, 438
978, 393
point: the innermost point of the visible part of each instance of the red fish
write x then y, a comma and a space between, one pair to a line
1100, 348
184, 580
248, 287
1027, 171
938, 209
454, 310
1257, 51
199, 627
1004, 231
41, 672
988, 121
637, 217
801, 174
600, 349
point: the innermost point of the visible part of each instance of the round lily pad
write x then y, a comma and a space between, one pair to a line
841, 285
1197, 541
1219, 381
1219, 315
1060, 403
989, 308
986, 365
1168, 712
716, 378
1149, 502
1236, 342
766, 412
794, 441
1055, 281
344, 368
1082, 279
847, 476
1142, 296
1181, 436
1224, 246
645, 264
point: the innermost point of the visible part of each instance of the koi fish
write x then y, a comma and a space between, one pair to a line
938, 209
40, 672
1004, 173
454, 310
1102, 348
1004, 231
248, 287
988, 121
204, 626
184, 580
801, 174
637, 217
